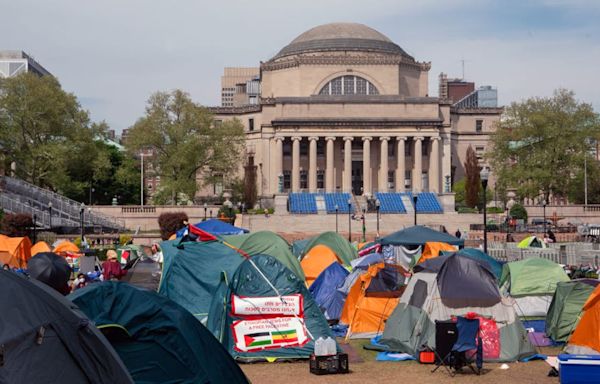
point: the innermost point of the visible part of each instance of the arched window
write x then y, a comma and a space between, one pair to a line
349, 85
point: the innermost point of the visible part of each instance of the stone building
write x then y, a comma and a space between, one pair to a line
343, 108
13, 63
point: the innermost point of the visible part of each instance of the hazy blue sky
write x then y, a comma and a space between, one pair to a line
114, 53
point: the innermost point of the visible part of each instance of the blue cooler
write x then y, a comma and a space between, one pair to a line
579, 369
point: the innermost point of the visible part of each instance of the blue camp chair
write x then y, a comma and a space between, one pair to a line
460, 355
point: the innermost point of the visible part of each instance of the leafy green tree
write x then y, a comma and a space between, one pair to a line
517, 211
577, 188
540, 143
472, 182
185, 143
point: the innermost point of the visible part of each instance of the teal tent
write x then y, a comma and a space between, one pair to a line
299, 245
192, 272
157, 339
419, 235
245, 318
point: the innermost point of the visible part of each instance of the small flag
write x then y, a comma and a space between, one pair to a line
289, 336
257, 339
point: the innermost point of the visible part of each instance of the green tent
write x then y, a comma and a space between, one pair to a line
157, 339
299, 245
566, 306
340, 246
259, 284
192, 272
267, 243
419, 235
532, 242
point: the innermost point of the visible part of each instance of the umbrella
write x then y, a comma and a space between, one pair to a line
50, 269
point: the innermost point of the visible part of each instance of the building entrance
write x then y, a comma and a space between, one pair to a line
357, 177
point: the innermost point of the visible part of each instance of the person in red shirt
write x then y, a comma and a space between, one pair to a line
111, 268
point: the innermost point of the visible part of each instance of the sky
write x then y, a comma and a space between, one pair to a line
113, 54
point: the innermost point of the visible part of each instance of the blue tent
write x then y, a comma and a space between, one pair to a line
216, 227
325, 291
473, 253
369, 259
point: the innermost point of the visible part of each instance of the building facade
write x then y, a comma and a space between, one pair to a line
13, 63
232, 81
342, 108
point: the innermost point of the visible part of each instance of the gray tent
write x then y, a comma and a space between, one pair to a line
458, 287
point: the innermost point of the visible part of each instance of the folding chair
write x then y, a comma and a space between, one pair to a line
467, 340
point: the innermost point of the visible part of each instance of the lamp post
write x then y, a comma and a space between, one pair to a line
349, 220
415, 199
484, 175
81, 212
544, 210
50, 214
377, 207
364, 225
142, 180
336, 218
205, 207
34, 228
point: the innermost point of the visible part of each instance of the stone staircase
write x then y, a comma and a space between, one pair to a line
408, 204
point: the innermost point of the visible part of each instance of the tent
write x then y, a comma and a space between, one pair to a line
566, 306
532, 282
299, 245
216, 227
39, 247
476, 254
143, 272
433, 249
339, 245
50, 269
46, 339
419, 235
15, 251
325, 291
129, 253
586, 337
192, 272
265, 312
450, 286
316, 261
267, 243
371, 300
158, 340
66, 246
367, 260
532, 241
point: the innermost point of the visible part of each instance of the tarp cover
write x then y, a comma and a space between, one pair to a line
339, 245
47, 339
192, 272
533, 276
325, 291
219, 228
165, 343
267, 243
419, 235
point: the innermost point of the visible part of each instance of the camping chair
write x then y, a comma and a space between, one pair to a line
460, 355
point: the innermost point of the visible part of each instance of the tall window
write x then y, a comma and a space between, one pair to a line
478, 126
349, 85
251, 124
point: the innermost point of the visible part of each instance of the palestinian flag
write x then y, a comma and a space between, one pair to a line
289, 336
260, 339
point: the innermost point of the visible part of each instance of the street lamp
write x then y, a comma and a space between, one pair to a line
205, 207
50, 214
484, 175
349, 220
81, 212
377, 207
415, 199
34, 228
336, 218
364, 225
544, 210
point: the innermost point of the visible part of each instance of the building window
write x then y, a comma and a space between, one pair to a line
303, 148
251, 124
287, 180
478, 126
407, 149
391, 149
407, 179
320, 147
303, 179
391, 180
287, 148
320, 179
349, 85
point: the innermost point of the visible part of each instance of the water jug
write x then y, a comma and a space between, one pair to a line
331, 347
320, 347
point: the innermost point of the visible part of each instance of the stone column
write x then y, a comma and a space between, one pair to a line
278, 161
367, 165
383, 164
296, 164
329, 161
418, 168
401, 164
434, 166
312, 164
348, 164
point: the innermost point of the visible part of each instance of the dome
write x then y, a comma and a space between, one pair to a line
341, 37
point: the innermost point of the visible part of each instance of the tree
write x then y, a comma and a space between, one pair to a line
517, 211
185, 143
577, 186
16, 224
472, 184
540, 143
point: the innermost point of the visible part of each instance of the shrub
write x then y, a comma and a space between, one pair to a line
518, 212
170, 223
16, 224
125, 239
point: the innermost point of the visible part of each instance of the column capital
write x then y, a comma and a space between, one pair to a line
313, 138
348, 138
401, 138
419, 138
278, 138
435, 138
296, 138
330, 138
384, 138
367, 138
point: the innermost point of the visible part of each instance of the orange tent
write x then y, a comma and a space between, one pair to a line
39, 247
366, 311
433, 248
66, 246
316, 261
15, 251
587, 333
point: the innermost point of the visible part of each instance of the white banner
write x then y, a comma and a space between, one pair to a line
277, 332
289, 305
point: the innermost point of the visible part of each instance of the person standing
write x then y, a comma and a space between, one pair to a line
457, 233
111, 268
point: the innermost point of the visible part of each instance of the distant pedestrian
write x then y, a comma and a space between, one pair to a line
457, 233
111, 268
444, 230
551, 238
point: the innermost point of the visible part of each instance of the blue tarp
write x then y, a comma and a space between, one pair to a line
325, 291
365, 261
215, 227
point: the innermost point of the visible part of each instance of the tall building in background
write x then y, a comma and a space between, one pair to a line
13, 63
235, 80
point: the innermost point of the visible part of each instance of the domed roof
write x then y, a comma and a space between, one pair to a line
341, 37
